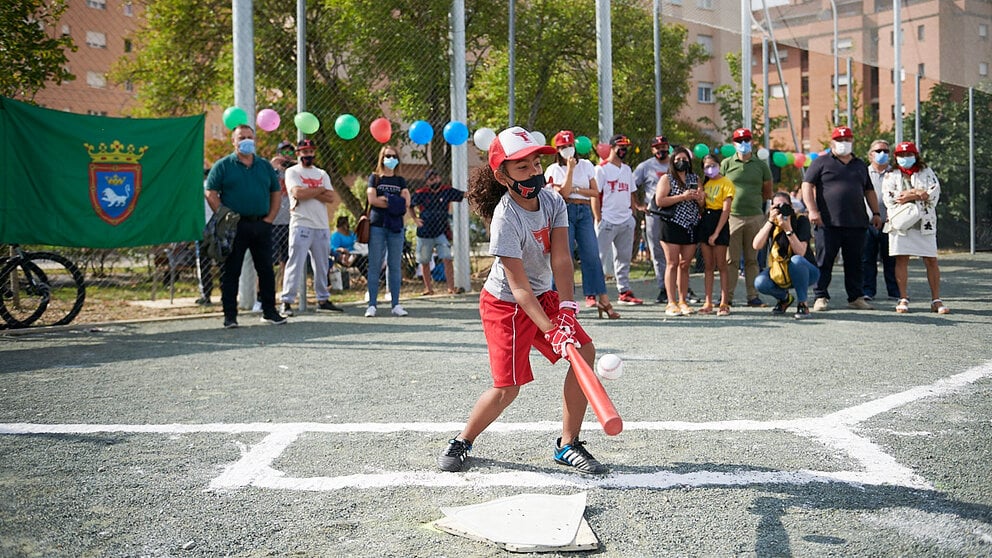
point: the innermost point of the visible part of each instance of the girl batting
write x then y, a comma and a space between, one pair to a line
519, 309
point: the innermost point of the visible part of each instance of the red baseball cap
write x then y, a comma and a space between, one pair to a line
906, 147
659, 141
619, 140
842, 132
742, 134
513, 144
306, 144
563, 138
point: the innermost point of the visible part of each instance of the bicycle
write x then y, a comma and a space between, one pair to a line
39, 288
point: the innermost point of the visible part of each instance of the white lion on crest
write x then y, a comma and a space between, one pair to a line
112, 199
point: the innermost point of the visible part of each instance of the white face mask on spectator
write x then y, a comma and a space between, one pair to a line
567, 152
842, 148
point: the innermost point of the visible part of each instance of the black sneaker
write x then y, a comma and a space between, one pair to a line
576, 455
692, 298
203, 301
287, 309
454, 455
328, 306
230, 323
273, 317
662, 297
802, 311
783, 305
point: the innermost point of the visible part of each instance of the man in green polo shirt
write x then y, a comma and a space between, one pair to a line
249, 186
752, 186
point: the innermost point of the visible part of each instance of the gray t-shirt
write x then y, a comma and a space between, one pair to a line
646, 177
518, 233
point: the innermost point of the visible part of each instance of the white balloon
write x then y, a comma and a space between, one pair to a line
539, 137
483, 137
763, 154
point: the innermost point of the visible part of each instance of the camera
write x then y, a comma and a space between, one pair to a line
288, 163
785, 209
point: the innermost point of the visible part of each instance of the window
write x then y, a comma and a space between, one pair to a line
676, 2
983, 68
96, 39
97, 4
128, 86
777, 91
704, 92
93, 112
128, 9
920, 32
921, 70
783, 53
127, 45
65, 31
842, 80
96, 79
706, 41
845, 43
704, 4
983, 30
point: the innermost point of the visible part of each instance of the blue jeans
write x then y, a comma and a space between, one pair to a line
801, 271
384, 243
877, 246
582, 236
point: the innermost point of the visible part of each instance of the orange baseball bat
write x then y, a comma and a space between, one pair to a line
600, 402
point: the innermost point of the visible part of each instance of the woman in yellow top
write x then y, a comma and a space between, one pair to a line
714, 232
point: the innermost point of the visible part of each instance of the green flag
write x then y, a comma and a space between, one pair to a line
98, 182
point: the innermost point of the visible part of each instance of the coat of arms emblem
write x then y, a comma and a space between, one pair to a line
115, 180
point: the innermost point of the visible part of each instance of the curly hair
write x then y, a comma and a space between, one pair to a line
484, 191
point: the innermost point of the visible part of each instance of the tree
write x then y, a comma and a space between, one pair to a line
31, 51
729, 102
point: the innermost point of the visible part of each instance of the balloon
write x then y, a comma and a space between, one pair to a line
583, 145
347, 127
539, 137
800, 160
381, 129
306, 122
421, 132
726, 150
779, 159
700, 150
234, 117
603, 150
790, 158
455, 133
763, 154
483, 137
813, 155
807, 162
267, 120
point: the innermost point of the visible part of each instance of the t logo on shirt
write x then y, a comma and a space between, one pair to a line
311, 182
543, 237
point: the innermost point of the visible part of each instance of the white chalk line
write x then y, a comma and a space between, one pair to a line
835, 430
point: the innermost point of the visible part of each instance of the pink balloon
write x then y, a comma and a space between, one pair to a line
800, 160
267, 119
381, 129
603, 150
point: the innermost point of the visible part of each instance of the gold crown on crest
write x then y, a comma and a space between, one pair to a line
115, 180
116, 154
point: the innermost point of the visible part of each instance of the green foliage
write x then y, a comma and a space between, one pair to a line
33, 51
729, 101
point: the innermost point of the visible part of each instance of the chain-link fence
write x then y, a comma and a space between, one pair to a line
372, 60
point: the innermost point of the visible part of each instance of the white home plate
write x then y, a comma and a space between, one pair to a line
524, 523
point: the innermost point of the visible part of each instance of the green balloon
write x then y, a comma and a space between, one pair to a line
306, 122
347, 127
234, 117
583, 145
701, 150
726, 150
790, 158
780, 159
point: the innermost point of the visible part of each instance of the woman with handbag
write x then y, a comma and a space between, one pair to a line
911, 195
389, 199
791, 263
680, 199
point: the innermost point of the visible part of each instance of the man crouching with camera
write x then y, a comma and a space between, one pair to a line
790, 260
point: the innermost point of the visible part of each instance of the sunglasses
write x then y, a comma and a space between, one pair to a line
384, 155
742, 140
879, 150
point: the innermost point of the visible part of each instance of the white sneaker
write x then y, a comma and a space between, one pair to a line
370, 312
399, 311
257, 307
820, 305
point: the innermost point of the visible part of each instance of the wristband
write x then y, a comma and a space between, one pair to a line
876, 213
568, 304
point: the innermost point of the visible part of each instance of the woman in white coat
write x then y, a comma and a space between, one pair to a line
911, 195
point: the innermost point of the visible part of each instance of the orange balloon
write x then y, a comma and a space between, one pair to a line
381, 129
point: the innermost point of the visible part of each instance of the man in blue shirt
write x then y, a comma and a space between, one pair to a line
247, 185
431, 201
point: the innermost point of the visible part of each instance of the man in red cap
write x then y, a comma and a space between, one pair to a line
835, 189
646, 177
752, 186
615, 215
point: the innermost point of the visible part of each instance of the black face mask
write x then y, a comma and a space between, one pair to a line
682, 165
621, 153
307, 161
529, 188
661, 155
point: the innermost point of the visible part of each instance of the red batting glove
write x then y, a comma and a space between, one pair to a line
565, 327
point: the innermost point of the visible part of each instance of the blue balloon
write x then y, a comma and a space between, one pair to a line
421, 132
455, 133
813, 155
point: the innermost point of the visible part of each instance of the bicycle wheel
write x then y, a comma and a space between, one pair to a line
67, 290
24, 292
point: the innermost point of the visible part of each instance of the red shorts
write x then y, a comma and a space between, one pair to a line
510, 333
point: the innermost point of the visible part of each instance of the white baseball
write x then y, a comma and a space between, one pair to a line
609, 367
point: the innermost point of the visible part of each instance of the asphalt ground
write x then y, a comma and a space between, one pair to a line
854, 433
